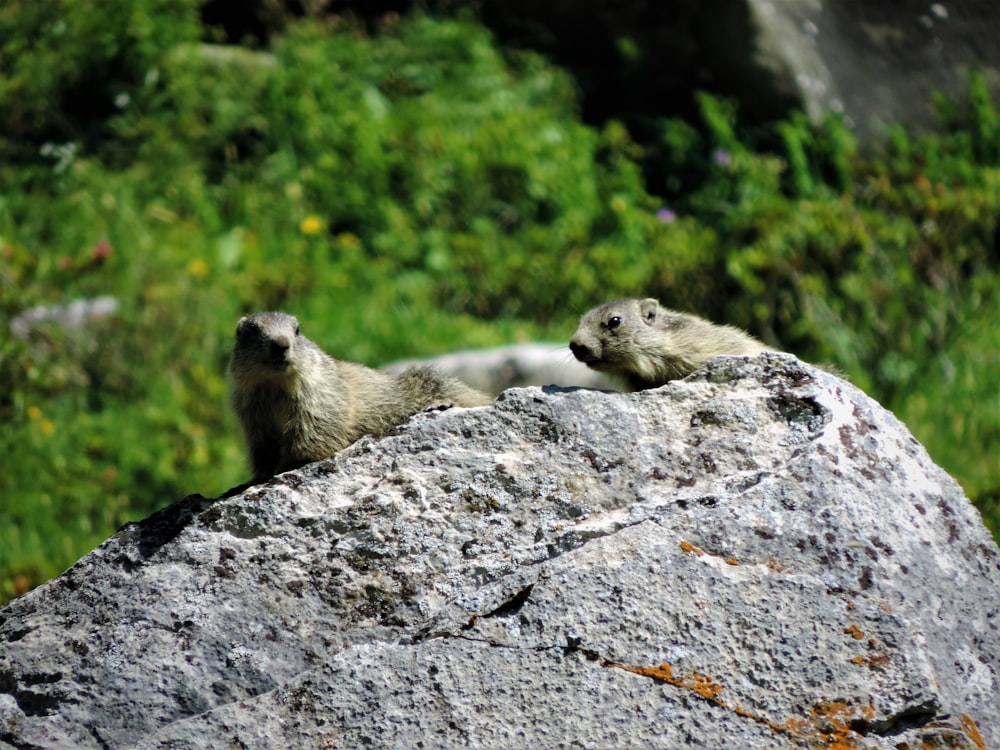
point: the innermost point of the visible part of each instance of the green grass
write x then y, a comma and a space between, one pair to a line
955, 413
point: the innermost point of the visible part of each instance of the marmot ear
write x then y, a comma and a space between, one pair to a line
649, 307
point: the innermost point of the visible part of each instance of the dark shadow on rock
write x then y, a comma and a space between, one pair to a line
163, 526
553, 389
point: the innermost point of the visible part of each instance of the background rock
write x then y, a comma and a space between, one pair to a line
878, 62
515, 366
757, 556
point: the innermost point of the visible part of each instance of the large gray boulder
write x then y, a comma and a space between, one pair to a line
758, 556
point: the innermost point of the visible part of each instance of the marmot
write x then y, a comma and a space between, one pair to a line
646, 344
298, 404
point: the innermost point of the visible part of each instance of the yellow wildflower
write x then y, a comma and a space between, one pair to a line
312, 224
348, 240
34, 412
198, 269
47, 427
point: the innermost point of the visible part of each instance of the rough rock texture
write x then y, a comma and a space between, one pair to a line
514, 366
756, 557
879, 63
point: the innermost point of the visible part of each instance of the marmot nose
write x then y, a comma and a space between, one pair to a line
278, 346
581, 351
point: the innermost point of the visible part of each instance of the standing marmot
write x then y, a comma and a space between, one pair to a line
646, 344
297, 404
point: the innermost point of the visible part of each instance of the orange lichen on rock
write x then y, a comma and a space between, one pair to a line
663, 672
876, 661
855, 631
688, 548
732, 561
828, 724
833, 711
695, 681
703, 685
970, 728
775, 565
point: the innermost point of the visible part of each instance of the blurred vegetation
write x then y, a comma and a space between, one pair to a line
419, 190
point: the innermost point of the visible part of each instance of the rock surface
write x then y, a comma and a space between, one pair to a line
515, 366
878, 63
758, 556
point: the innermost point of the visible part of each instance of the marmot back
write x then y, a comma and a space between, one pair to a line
646, 344
298, 404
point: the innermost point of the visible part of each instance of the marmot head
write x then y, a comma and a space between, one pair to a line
610, 337
265, 341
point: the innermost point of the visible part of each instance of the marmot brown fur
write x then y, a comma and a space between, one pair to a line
298, 404
645, 344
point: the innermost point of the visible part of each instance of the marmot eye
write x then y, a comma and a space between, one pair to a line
614, 323
296, 330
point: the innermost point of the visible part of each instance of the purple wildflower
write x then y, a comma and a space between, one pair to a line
666, 215
722, 157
